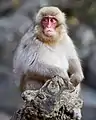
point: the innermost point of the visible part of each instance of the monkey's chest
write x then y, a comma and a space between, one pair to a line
55, 59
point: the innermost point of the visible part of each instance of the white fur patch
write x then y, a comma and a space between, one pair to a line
54, 11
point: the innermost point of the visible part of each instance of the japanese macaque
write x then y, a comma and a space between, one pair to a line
47, 51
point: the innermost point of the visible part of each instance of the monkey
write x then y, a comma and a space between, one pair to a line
46, 50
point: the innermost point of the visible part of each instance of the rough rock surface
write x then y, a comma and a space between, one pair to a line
57, 99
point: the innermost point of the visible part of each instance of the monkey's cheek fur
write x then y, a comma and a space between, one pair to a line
75, 79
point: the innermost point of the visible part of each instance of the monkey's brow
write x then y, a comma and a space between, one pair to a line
52, 14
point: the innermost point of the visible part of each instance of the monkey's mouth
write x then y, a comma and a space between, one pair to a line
49, 33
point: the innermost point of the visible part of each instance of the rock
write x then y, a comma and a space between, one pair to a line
11, 31
84, 39
9, 93
29, 8
90, 73
89, 113
12, 28
89, 96
4, 116
89, 108
6, 7
62, 3
56, 99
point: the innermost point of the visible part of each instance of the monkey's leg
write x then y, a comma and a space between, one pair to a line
31, 81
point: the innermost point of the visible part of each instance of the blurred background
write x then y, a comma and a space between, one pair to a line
16, 16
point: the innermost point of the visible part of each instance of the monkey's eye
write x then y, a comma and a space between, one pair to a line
45, 20
53, 20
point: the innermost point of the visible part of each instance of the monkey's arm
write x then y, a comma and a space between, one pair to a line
43, 69
45, 72
75, 69
38, 73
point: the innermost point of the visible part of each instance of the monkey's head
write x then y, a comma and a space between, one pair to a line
50, 24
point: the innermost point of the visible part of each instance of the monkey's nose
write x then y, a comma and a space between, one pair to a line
49, 25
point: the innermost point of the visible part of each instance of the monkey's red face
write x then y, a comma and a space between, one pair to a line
49, 24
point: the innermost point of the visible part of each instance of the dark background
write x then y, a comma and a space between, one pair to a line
16, 16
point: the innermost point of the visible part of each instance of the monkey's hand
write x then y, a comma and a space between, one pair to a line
66, 79
76, 78
67, 83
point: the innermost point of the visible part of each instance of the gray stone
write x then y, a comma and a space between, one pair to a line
84, 39
91, 70
89, 113
56, 99
4, 116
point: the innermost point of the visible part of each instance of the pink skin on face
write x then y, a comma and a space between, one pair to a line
49, 24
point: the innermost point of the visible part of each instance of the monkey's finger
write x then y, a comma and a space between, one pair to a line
74, 79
